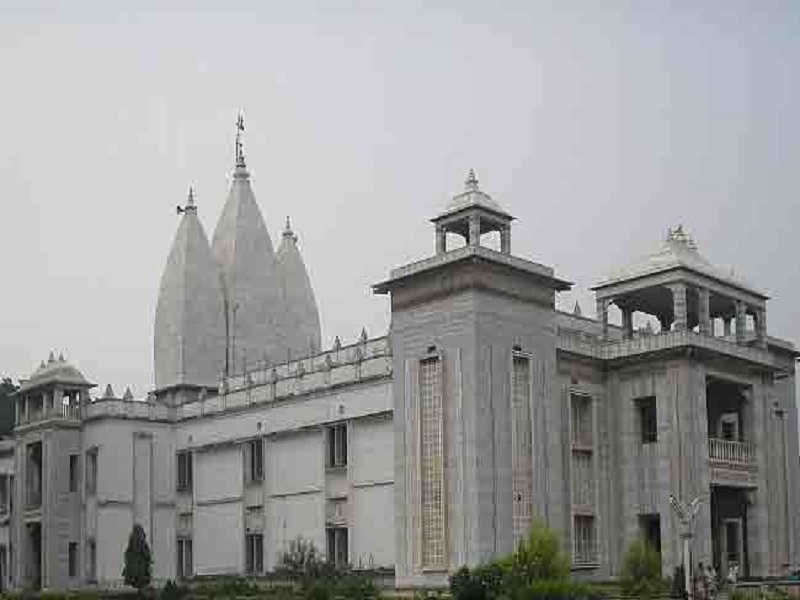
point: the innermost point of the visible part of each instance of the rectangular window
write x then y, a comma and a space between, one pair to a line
185, 471
254, 461
337, 546
184, 558
648, 419
73, 472
432, 462
582, 479
91, 560
254, 553
581, 421
584, 541
522, 457
337, 446
650, 526
33, 474
5, 494
91, 471
73, 559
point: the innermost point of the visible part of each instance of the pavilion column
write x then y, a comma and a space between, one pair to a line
727, 329
474, 230
679, 305
703, 302
741, 322
505, 240
761, 326
441, 243
602, 316
627, 322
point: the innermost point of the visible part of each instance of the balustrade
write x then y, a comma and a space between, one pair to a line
732, 453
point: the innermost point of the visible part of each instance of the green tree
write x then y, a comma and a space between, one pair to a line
539, 556
7, 388
138, 560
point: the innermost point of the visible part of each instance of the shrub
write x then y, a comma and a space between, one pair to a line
302, 561
758, 593
641, 572
138, 560
539, 556
558, 590
170, 591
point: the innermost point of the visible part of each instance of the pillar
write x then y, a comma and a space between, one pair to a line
741, 322
627, 323
704, 318
761, 326
474, 230
505, 240
602, 316
441, 237
679, 305
727, 326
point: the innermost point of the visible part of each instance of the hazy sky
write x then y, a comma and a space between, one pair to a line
598, 124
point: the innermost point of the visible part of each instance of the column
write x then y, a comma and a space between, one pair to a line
474, 230
627, 322
704, 318
679, 305
602, 316
741, 322
727, 326
441, 244
505, 240
761, 326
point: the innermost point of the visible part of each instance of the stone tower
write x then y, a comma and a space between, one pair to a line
474, 346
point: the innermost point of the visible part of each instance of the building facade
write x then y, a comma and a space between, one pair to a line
431, 447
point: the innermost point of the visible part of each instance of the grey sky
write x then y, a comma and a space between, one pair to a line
598, 124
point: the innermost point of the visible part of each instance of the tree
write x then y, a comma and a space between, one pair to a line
7, 388
138, 561
540, 556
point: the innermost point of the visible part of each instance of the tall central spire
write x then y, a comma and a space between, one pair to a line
239, 147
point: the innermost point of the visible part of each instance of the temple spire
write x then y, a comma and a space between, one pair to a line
472, 182
239, 146
287, 231
190, 205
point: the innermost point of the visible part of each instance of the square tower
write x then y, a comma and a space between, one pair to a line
474, 344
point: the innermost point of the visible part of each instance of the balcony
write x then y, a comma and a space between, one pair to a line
732, 463
63, 412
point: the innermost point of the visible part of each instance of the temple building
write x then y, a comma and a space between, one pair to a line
432, 446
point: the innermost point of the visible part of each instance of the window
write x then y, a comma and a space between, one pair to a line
581, 420
431, 462
729, 427
184, 558
582, 479
73, 472
648, 419
254, 553
91, 471
73, 559
91, 560
522, 457
185, 471
254, 461
33, 474
650, 526
584, 544
337, 445
337, 546
5, 493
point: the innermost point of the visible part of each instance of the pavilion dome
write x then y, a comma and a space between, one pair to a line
472, 197
677, 251
55, 370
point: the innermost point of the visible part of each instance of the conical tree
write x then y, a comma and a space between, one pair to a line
138, 560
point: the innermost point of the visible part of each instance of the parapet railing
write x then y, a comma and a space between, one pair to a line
737, 454
68, 412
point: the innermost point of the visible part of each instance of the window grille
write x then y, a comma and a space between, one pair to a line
254, 461
254, 553
581, 421
582, 479
337, 446
584, 540
185, 558
184, 471
648, 419
91, 472
522, 457
432, 463
337, 538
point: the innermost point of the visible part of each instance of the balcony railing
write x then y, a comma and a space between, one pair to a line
734, 454
67, 412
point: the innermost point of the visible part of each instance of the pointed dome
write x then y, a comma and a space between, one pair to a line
189, 337
243, 250
300, 316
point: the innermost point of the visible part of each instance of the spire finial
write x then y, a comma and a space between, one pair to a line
239, 147
190, 205
472, 182
287, 231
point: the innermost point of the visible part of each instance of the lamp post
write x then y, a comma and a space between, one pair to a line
687, 515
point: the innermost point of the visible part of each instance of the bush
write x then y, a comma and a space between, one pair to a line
138, 560
170, 591
558, 590
758, 593
641, 572
539, 556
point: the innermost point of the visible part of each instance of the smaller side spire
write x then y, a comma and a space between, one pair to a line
190, 203
287, 231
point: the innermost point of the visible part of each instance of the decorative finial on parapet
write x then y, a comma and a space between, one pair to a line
577, 310
128, 395
239, 147
337, 343
190, 204
363, 337
680, 236
472, 182
60, 357
109, 393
